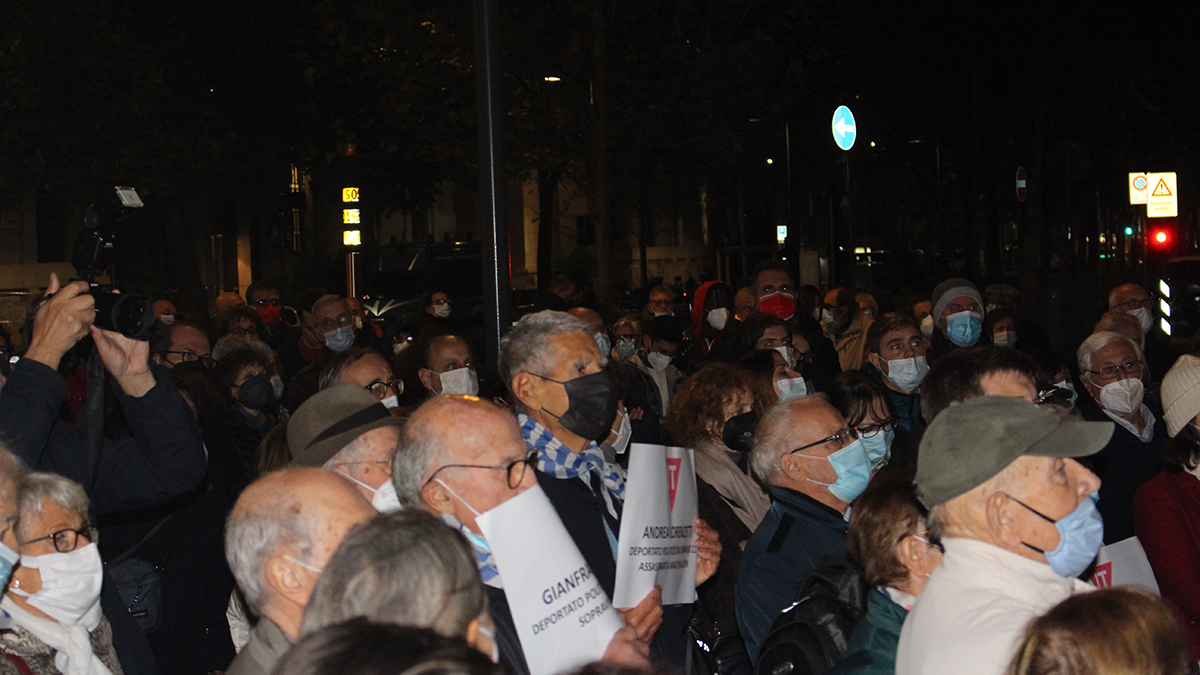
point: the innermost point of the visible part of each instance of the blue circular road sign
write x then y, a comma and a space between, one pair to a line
844, 128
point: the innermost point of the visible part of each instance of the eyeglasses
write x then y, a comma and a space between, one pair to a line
1109, 372
65, 540
266, 301
188, 356
871, 430
380, 389
514, 470
1136, 303
841, 436
330, 323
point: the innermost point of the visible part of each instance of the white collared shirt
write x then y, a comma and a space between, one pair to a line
1147, 417
969, 617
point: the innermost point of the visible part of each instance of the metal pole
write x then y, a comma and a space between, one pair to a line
496, 267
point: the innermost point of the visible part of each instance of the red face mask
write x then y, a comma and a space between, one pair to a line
269, 314
782, 305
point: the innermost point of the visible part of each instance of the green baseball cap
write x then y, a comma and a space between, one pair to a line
971, 441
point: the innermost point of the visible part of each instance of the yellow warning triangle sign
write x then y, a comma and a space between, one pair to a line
1161, 190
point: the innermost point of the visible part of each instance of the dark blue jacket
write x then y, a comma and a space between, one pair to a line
872, 648
1123, 466
164, 459
794, 536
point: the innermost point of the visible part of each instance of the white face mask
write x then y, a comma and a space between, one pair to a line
658, 361
167, 319
384, 497
907, 374
786, 352
927, 327
1123, 397
1144, 318
340, 340
442, 311
791, 388
70, 583
391, 402
717, 318
460, 382
623, 436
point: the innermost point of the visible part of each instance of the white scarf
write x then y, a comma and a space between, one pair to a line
72, 644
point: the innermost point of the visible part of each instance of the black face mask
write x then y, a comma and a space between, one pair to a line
255, 393
196, 366
738, 434
591, 405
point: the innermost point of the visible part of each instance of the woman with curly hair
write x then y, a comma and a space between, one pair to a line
714, 413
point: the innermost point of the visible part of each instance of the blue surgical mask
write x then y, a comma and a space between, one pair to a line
626, 346
340, 340
853, 468
964, 328
878, 445
793, 387
8, 558
603, 343
1080, 535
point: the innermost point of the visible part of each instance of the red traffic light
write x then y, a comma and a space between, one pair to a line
1160, 237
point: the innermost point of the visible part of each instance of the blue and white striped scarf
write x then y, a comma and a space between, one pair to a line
557, 460
483, 555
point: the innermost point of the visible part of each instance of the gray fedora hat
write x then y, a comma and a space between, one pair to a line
331, 419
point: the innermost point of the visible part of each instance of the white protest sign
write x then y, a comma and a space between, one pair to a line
563, 616
657, 544
1124, 563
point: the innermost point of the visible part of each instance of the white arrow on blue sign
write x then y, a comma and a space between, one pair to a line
844, 129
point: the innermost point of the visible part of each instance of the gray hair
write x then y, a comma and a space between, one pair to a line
631, 320
404, 568
769, 440
327, 300
331, 372
1095, 342
12, 468
38, 487
236, 343
415, 453
527, 346
1110, 320
254, 533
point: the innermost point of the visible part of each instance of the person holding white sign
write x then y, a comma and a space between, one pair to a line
460, 457
566, 399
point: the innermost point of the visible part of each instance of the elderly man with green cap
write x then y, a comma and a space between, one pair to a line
1017, 518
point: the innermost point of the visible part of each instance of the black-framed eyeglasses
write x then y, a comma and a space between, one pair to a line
871, 430
1135, 303
188, 356
514, 470
65, 540
333, 323
1130, 367
380, 389
840, 436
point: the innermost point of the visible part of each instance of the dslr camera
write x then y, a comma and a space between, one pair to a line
130, 315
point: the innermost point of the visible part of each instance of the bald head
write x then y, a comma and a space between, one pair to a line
589, 316
458, 430
282, 531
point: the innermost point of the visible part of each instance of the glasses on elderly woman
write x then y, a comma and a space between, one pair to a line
66, 540
514, 470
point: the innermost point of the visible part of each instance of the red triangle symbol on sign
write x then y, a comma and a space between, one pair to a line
1161, 190
674, 465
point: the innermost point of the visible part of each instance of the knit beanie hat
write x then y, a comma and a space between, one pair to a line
951, 289
1181, 393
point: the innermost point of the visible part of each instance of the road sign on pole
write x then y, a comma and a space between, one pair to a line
1164, 195
844, 128
1139, 192
1021, 189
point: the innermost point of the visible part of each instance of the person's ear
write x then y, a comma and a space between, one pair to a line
426, 377
1002, 519
879, 363
284, 578
792, 467
913, 553
527, 388
437, 498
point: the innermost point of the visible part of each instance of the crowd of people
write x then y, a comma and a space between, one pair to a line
300, 488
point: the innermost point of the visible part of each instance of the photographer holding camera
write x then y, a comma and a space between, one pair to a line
163, 459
